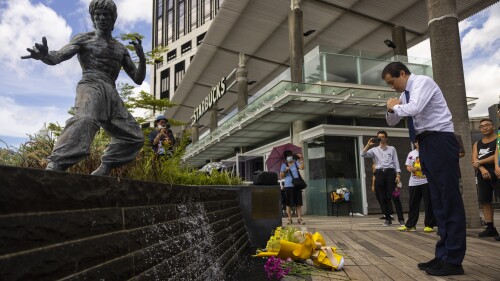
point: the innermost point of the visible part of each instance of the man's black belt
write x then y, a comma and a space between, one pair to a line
385, 170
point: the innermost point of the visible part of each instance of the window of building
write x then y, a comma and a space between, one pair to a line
215, 7
186, 47
159, 8
171, 55
159, 34
199, 39
179, 73
165, 84
194, 15
159, 65
170, 21
181, 17
207, 13
191, 59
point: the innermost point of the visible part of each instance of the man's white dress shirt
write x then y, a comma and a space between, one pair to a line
427, 106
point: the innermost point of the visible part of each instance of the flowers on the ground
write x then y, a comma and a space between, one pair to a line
274, 268
289, 247
278, 268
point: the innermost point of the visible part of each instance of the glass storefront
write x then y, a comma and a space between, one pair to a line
332, 164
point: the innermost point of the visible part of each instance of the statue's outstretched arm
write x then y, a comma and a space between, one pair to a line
41, 52
137, 73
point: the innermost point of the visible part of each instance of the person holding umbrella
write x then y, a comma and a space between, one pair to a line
293, 196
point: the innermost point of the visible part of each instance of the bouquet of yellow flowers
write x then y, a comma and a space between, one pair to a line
301, 245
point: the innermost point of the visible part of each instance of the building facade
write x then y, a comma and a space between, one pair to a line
181, 26
310, 72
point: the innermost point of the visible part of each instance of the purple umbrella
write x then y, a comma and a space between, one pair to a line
275, 159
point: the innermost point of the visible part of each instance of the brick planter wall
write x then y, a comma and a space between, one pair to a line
77, 227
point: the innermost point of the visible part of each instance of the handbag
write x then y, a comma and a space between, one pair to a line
396, 193
298, 182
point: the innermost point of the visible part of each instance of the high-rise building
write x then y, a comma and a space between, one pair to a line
181, 26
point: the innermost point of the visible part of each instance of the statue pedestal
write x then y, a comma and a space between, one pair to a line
261, 211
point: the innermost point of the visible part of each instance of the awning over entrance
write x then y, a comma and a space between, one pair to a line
259, 28
268, 117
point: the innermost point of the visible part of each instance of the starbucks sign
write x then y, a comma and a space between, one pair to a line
215, 94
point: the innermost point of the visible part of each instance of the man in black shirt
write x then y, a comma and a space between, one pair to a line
483, 161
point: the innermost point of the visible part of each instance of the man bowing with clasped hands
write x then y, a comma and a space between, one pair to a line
429, 121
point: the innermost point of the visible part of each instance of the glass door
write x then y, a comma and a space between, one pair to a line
332, 164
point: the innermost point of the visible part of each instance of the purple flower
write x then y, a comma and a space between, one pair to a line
273, 267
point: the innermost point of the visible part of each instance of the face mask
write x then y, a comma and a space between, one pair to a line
289, 159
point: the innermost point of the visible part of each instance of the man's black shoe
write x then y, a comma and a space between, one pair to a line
445, 269
497, 238
489, 232
431, 263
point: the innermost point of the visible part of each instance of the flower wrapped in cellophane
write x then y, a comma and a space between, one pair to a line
301, 245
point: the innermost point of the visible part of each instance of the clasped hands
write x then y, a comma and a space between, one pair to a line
392, 102
486, 175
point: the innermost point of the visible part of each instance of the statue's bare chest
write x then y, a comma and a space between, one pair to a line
101, 51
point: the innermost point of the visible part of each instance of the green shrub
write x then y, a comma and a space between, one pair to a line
147, 166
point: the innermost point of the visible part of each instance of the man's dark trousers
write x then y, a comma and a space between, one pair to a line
439, 159
385, 183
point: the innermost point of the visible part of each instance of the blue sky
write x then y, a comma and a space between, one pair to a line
32, 93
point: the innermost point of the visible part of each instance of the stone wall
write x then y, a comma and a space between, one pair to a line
65, 226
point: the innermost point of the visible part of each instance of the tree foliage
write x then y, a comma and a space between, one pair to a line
152, 57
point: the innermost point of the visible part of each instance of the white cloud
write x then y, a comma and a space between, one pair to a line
138, 112
421, 50
465, 25
485, 38
130, 12
23, 24
481, 55
478, 83
18, 120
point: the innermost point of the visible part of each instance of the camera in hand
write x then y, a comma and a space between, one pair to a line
377, 140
